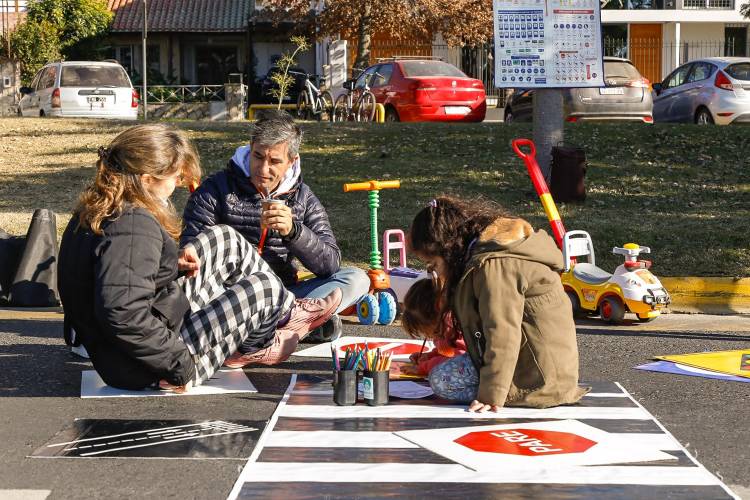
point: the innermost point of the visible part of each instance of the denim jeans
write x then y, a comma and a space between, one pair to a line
353, 282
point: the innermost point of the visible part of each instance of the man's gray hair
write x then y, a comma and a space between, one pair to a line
275, 127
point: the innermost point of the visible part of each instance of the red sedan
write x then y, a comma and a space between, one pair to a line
415, 90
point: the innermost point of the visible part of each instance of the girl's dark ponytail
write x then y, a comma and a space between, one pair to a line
446, 228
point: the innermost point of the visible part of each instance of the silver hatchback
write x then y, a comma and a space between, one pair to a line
625, 97
705, 91
80, 89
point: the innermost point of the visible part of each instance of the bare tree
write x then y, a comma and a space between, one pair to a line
460, 22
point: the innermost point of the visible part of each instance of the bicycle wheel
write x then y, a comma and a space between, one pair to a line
303, 106
341, 109
366, 108
326, 106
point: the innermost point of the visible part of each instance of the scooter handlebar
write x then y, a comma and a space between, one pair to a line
371, 186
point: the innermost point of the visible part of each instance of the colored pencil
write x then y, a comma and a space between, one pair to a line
422, 349
262, 241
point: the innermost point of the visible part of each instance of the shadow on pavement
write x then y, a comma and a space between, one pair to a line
670, 335
39, 370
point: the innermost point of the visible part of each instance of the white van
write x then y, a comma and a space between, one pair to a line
81, 89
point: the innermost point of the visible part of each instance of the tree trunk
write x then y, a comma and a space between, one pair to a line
548, 126
363, 45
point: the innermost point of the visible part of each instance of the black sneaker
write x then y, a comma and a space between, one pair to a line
327, 332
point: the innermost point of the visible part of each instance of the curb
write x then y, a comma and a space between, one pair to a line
689, 295
708, 295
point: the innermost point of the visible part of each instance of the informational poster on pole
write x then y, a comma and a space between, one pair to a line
548, 43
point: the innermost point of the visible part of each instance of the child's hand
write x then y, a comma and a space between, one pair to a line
410, 369
414, 357
479, 407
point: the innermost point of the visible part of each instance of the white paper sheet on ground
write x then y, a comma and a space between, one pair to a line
400, 349
402, 389
553, 444
24, 494
408, 390
225, 381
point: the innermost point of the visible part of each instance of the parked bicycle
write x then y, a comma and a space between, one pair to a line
355, 104
313, 102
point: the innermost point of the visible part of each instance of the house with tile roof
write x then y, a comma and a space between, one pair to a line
191, 42
200, 42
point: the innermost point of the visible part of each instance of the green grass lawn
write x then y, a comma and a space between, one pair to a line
683, 190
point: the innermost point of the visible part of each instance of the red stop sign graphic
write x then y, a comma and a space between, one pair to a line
528, 442
400, 349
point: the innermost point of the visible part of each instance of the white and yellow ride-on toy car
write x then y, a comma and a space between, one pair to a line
631, 288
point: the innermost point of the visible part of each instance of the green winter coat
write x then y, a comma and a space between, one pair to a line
517, 320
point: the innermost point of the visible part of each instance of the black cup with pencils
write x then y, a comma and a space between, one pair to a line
375, 375
344, 378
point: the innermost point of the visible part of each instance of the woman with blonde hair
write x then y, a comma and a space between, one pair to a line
147, 313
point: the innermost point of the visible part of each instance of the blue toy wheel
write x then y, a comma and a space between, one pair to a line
368, 310
388, 308
392, 293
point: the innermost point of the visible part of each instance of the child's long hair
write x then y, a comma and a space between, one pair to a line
445, 228
156, 150
421, 315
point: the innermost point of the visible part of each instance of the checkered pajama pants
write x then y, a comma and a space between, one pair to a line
235, 296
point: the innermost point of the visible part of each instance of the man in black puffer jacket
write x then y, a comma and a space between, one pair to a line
270, 168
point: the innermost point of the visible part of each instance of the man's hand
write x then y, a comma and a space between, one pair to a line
189, 262
279, 218
479, 407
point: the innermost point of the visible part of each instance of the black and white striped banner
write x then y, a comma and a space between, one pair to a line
312, 448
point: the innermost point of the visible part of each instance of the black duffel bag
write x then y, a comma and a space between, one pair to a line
568, 173
32, 263
11, 248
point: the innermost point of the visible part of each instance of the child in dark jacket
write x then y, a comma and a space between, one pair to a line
422, 319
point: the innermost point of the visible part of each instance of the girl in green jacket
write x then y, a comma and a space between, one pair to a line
501, 282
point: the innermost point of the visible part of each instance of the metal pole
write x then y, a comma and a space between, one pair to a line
5, 15
548, 126
7, 28
7, 33
143, 60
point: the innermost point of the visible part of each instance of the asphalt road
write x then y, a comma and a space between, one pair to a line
40, 385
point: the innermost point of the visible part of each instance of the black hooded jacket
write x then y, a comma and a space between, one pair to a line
228, 197
120, 295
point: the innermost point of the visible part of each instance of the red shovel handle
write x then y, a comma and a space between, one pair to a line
531, 165
519, 143
540, 185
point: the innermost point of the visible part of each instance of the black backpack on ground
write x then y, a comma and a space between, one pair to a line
568, 173
28, 265
11, 248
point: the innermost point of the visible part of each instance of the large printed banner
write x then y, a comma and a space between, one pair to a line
736, 363
605, 446
557, 443
548, 43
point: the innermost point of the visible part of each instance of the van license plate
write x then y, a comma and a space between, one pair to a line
612, 91
96, 99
